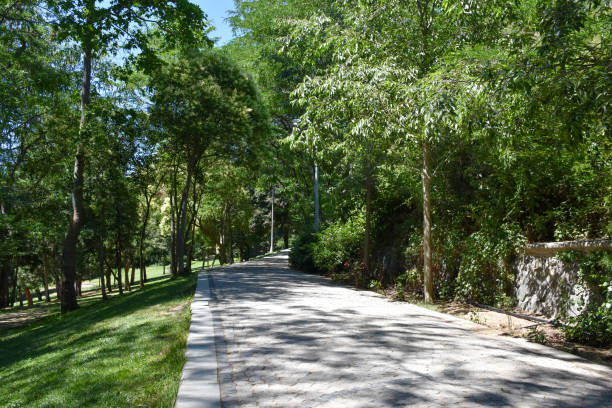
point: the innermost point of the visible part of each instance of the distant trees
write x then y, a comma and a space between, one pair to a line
100, 157
208, 108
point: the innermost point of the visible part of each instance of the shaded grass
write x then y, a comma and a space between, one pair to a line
128, 351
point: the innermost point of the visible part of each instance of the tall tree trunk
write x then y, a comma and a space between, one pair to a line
28, 296
14, 281
45, 276
133, 277
172, 239
5, 271
68, 298
78, 285
143, 230
101, 267
109, 283
118, 277
182, 220
427, 271
368, 231
58, 287
126, 268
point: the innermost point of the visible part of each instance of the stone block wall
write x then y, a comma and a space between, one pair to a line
546, 285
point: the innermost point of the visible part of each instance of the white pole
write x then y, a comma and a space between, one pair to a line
272, 224
316, 191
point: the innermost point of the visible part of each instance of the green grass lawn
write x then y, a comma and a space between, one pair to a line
126, 352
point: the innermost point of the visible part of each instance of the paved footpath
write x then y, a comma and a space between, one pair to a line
289, 339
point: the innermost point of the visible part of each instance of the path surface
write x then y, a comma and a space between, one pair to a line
289, 339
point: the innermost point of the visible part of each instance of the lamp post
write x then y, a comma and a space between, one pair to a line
272, 224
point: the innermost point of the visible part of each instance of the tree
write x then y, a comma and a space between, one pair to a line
97, 30
190, 95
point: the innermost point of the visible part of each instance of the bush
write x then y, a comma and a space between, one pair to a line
339, 244
301, 255
594, 325
485, 274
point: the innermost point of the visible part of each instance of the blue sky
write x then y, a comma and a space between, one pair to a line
217, 12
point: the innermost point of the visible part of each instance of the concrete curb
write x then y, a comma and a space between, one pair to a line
199, 385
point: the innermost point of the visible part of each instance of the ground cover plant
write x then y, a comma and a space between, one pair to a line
124, 352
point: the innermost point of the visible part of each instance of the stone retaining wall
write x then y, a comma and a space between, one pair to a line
546, 285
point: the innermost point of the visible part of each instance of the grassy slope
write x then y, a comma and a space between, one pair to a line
128, 351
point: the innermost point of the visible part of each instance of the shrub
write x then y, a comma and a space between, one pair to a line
339, 243
485, 274
301, 255
594, 325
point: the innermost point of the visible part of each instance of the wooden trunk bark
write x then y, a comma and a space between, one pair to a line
5, 271
142, 237
101, 268
118, 277
126, 268
172, 238
45, 274
182, 221
69, 297
28, 296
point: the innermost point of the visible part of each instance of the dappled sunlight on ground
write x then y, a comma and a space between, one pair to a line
298, 340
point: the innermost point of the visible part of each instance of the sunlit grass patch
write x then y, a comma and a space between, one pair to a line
128, 351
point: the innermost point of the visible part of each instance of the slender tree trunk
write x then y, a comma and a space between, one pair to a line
78, 285
39, 295
172, 240
133, 265
45, 276
126, 268
58, 287
101, 267
109, 283
182, 221
28, 295
68, 298
368, 231
5, 271
427, 271
118, 277
286, 234
14, 279
142, 237
20, 292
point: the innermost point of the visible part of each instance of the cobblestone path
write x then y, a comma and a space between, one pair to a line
289, 339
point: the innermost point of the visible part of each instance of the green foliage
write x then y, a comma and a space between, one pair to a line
537, 336
339, 244
376, 285
485, 275
411, 280
594, 324
302, 250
